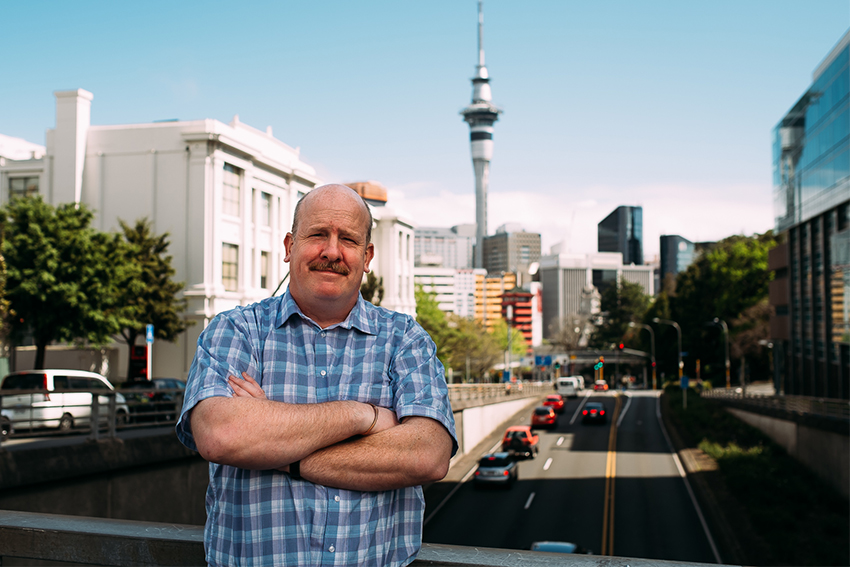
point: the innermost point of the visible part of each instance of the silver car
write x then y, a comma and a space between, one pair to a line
59, 399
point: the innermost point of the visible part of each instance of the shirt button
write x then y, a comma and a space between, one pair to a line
324, 334
336, 498
331, 549
322, 372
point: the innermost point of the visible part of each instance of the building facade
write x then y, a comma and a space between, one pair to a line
511, 252
810, 294
622, 231
676, 254
446, 247
573, 283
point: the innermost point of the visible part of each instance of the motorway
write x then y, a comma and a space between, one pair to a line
616, 489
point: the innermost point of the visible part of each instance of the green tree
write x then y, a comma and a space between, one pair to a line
623, 304
63, 276
471, 349
723, 283
150, 295
373, 288
433, 320
519, 348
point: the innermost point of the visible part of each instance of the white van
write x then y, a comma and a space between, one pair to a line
56, 398
568, 387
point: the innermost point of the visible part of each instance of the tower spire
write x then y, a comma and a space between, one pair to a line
481, 114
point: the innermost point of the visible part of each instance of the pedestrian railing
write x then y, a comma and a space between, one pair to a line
803, 405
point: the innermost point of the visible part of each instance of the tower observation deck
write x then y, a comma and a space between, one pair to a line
481, 114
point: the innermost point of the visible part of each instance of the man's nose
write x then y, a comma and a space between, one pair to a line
331, 249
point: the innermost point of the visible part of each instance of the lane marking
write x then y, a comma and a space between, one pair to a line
610, 476
581, 405
560, 440
625, 409
548, 464
684, 476
530, 499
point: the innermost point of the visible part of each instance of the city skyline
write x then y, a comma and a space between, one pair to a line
664, 106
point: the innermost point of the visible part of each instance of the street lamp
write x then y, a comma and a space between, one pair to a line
722, 324
509, 316
679, 333
652, 348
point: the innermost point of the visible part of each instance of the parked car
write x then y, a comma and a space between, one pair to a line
543, 416
496, 469
558, 547
593, 411
159, 399
600, 385
57, 398
555, 401
520, 441
7, 428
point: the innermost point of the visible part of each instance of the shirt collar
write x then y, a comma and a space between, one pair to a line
358, 317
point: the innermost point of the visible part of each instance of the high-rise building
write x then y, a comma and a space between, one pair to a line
446, 247
622, 231
511, 252
810, 293
481, 114
677, 254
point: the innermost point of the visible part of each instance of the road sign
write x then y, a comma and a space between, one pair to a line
538, 361
149, 334
684, 382
547, 361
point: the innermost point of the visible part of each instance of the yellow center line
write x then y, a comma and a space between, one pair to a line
610, 474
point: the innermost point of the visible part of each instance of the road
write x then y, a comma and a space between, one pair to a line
615, 489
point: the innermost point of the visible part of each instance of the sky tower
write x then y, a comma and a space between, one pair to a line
480, 115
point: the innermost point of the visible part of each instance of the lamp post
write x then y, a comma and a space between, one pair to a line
679, 333
722, 324
651, 347
509, 316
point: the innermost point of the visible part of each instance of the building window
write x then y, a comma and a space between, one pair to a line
265, 209
264, 269
231, 190
23, 187
230, 266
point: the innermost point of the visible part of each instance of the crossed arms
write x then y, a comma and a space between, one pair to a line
252, 432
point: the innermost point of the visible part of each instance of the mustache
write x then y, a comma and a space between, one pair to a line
323, 266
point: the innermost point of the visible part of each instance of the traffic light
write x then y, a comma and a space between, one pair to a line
622, 346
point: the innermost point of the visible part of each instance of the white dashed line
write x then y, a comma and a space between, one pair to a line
528, 502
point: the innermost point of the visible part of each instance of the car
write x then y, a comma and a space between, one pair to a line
7, 428
519, 440
593, 411
496, 469
543, 416
600, 385
558, 547
159, 399
555, 401
58, 398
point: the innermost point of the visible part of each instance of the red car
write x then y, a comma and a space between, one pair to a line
519, 440
555, 401
600, 385
543, 416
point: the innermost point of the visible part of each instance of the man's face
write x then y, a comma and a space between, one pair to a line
329, 253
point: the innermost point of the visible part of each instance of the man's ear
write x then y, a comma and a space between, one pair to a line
287, 246
370, 253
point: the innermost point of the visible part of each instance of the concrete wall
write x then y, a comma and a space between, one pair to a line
823, 452
476, 423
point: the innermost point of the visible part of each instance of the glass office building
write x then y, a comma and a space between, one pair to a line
676, 253
810, 294
622, 231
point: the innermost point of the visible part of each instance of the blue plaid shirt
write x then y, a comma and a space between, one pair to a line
266, 517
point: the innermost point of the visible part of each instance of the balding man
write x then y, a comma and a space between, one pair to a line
321, 414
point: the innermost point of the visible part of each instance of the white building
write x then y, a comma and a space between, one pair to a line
571, 283
225, 193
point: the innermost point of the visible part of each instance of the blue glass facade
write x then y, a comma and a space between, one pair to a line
676, 253
622, 231
811, 288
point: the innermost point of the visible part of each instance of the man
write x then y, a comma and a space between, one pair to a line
321, 414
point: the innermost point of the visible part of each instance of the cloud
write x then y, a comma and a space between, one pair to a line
697, 213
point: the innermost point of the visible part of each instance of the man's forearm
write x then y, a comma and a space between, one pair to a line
416, 452
255, 433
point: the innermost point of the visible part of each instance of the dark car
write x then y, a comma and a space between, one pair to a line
496, 469
543, 416
594, 412
159, 399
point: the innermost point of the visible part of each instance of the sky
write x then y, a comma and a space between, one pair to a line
668, 105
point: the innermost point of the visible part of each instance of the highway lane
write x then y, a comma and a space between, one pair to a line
562, 494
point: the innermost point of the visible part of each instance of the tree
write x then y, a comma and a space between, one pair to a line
150, 296
723, 283
433, 320
623, 304
373, 288
471, 348
569, 332
519, 348
63, 276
